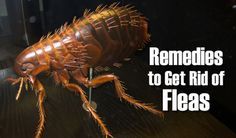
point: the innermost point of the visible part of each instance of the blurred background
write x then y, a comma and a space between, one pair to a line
173, 24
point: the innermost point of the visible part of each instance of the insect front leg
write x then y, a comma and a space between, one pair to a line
119, 90
12, 80
41, 95
63, 76
15, 81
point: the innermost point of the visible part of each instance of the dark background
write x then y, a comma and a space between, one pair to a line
173, 24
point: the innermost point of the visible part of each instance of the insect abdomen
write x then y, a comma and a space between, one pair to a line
106, 36
118, 31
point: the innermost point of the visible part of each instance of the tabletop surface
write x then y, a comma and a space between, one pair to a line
65, 117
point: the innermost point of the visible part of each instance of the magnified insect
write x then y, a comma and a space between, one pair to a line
100, 38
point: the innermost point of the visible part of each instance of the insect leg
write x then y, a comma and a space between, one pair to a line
41, 95
56, 77
12, 80
121, 92
76, 88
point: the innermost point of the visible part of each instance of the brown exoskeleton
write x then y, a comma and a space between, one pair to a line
99, 38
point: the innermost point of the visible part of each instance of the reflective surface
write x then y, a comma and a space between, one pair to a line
65, 116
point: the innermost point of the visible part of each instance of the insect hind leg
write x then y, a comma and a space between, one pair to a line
120, 90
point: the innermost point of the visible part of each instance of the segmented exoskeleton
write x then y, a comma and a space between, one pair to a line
99, 38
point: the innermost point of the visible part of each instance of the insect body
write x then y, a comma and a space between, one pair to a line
99, 38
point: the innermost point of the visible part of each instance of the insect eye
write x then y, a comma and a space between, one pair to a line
23, 68
27, 66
